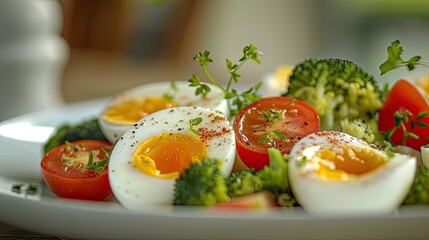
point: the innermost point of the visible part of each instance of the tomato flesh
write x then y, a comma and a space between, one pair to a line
272, 122
73, 180
405, 96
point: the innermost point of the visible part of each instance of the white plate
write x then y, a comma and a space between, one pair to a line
22, 138
48, 214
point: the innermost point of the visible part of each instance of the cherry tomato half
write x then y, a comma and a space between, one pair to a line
64, 170
272, 122
405, 96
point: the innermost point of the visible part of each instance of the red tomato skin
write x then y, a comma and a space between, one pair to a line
404, 95
252, 159
258, 158
85, 184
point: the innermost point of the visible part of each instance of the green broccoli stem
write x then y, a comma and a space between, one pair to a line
327, 120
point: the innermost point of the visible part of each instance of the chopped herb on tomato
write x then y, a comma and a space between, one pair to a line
272, 122
78, 170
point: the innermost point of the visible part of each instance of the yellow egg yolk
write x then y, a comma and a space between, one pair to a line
282, 75
131, 110
345, 162
423, 82
168, 154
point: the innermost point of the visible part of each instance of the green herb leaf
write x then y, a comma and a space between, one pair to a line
422, 124
99, 165
422, 114
264, 139
291, 103
272, 116
412, 62
30, 189
398, 118
170, 94
195, 122
394, 59
203, 58
270, 137
385, 91
236, 101
280, 135
251, 52
72, 147
412, 135
202, 89
400, 121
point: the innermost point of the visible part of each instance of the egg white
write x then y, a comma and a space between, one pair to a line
137, 190
183, 96
379, 191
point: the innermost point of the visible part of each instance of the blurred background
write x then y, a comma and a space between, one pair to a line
60, 52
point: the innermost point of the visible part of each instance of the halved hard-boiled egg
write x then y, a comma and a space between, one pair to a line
152, 154
277, 83
334, 173
128, 107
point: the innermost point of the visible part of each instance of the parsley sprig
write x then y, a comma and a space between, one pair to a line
236, 100
401, 120
394, 59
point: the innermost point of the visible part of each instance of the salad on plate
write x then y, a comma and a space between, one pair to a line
332, 142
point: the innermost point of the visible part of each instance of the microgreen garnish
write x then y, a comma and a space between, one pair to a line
394, 59
202, 89
71, 147
291, 103
401, 120
26, 188
237, 100
70, 158
99, 165
270, 137
170, 94
271, 115
195, 122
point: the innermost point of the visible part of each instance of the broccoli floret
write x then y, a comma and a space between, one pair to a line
419, 192
275, 176
202, 184
89, 129
357, 128
365, 130
337, 89
243, 183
